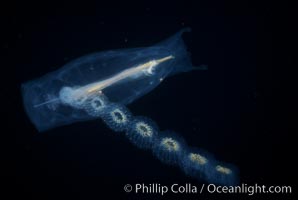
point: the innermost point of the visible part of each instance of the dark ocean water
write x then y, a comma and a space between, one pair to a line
236, 110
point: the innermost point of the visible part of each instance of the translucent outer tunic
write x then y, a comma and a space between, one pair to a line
42, 96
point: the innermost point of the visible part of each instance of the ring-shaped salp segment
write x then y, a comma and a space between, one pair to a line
197, 163
169, 148
223, 174
96, 105
80, 101
142, 132
117, 117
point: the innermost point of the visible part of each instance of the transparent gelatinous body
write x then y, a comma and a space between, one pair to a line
44, 101
99, 85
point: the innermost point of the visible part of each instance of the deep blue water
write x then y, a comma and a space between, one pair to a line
233, 110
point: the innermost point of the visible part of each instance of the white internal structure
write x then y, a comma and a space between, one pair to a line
75, 96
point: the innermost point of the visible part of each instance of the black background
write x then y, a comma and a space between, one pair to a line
239, 110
